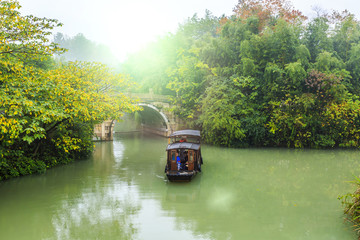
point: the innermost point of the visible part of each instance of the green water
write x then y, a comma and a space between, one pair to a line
121, 193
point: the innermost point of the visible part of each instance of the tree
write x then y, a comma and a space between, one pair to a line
219, 118
263, 76
316, 37
353, 66
347, 33
267, 11
188, 81
47, 115
150, 66
23, 37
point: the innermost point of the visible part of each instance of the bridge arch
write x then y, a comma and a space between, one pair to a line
154, 120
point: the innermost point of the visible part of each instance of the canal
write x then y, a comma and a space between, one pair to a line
120, 192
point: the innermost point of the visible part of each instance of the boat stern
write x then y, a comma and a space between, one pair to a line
180, 176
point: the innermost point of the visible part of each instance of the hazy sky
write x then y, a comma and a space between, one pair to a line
126, 25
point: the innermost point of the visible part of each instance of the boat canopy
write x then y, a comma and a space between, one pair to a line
190, 133
183, 145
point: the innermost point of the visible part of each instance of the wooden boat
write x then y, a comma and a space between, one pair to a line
183, 155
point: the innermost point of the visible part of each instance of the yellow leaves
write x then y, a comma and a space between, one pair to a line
9, 127
273, 127
77, 92
68, 144
24, 36
84, 88
202, 65
12, 6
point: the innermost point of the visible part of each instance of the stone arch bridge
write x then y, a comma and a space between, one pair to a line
156, 117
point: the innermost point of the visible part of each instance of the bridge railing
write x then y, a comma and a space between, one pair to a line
150, 97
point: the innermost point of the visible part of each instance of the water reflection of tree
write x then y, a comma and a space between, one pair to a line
84, 200
105, 205
103, 212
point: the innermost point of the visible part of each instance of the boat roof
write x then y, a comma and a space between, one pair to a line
183, 145
188, 132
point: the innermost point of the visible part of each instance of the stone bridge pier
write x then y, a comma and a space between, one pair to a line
104, 131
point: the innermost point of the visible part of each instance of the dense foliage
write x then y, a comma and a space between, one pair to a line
351, 203
48, 110
265, 76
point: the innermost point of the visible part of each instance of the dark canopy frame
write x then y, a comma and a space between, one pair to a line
190, 133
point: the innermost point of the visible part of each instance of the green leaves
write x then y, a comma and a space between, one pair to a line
24, 36
48, 111
220, 118
187, 80
263, 76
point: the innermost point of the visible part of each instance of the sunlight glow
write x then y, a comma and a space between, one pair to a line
127, 26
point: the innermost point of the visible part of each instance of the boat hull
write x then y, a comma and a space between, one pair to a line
175, 176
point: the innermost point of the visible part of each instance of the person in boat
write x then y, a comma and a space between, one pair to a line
183, 139
178, 162
184, 159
